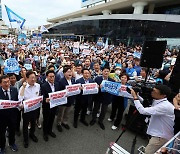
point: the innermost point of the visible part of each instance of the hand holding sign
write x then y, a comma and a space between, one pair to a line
47, 100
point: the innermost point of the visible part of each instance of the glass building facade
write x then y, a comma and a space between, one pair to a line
119, 30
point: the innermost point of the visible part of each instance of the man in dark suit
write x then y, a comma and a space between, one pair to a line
63, 113
8, 117
48, 113
102, 99
82, 100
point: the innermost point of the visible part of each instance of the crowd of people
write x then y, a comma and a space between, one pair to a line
54, 65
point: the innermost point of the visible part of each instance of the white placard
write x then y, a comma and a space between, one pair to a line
58, 98
32, 104
73, 89
8, 104
90, 88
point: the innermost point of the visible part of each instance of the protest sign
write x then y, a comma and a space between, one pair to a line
76, 44
7, 104
86, 52
90, 88
110, 87
32, 104
28, 66
22, 39
76, 51
115, 88
11, 65
73, 89
123, 92
58, 98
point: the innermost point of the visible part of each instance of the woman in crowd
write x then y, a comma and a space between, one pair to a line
119, 104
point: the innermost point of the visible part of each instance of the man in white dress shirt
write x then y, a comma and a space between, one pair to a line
162, 117
29, 90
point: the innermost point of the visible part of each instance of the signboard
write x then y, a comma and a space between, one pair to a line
22, 39
36, 39
28, 66
115, 88
32, 104
86, 52
73, 89
89, 2
90, 88
7, 104
58, 98
11, 66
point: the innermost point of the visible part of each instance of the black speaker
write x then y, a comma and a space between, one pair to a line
152, 54
175, 76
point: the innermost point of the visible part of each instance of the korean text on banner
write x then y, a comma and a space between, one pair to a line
86, 52
58, 98
110, 87
73, 89
115, 88
123, 92
11, 66
32, 104
7, 104
90, 88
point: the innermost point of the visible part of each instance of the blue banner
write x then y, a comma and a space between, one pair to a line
22, 39
115, 88
28, 66
110, 87
11, 66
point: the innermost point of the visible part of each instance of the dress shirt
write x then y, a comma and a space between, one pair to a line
162, 118
8, 92
78, 76
86, 81
69, 82
29, 92
52, 86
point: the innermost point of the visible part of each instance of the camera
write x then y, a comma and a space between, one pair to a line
144, 90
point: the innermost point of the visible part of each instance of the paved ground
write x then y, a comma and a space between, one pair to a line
83, 140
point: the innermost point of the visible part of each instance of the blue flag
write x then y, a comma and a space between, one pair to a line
13, 17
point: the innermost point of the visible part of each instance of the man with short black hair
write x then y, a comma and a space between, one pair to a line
162, 117
29, 90
64, 110
48, 113
8, 117
82, 100
102, 99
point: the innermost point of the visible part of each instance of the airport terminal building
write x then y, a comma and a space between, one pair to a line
130, 21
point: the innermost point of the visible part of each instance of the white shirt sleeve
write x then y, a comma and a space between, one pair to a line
158, 109
20, 98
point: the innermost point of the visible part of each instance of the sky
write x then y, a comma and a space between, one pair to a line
36, 12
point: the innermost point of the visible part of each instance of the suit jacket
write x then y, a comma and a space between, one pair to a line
45, 90
14, 97
84, 98
103, 97
62, 84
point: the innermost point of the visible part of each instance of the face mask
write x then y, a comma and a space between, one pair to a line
118, 72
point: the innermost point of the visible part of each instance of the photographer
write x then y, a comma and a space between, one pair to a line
162, 117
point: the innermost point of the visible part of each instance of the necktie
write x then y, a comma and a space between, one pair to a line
6, 95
